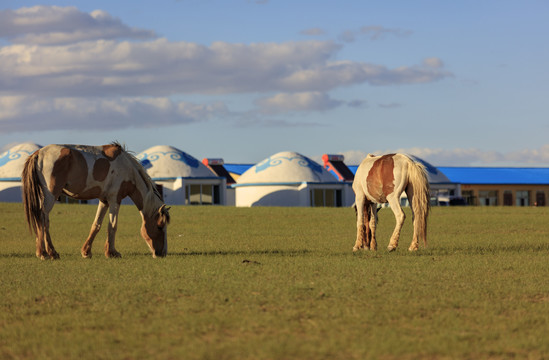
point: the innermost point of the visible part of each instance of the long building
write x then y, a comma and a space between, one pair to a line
494, 186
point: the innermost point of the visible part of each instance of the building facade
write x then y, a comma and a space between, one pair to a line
501, 186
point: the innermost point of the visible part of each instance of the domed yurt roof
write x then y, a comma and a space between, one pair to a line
13, 160
434, 175
164, 161
286, 167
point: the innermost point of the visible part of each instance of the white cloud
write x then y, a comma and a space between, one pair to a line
313, 32
377, 32
290, 102
392, 105
159, 68
54, 25
10, 106
433, 62
464, 157
36, 114
528, 156
358, 103
347, 36
62, 61
372, 32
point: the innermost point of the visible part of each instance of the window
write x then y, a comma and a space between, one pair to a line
523, 198
507, 198
207, 195
317, 197
488, 197
202, 194
540, 198
216, 195
194, 195
326, 197
469, 197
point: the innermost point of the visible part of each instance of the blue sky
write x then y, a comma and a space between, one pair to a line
456, 83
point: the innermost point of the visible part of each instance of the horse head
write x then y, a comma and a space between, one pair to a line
154, 231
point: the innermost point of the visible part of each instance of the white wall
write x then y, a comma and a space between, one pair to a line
10, 191
269, 195
288, 195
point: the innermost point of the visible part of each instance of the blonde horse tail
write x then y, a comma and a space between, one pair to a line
32, 193
421, 199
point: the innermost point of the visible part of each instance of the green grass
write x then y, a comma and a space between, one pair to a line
279, 283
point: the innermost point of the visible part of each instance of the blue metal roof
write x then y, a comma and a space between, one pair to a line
492, 175
238, 169
497, 175
466, 175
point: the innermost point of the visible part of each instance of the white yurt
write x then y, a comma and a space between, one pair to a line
290, 179
183, 179
11, 167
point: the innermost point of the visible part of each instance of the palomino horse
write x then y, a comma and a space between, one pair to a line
382, 179
107, 173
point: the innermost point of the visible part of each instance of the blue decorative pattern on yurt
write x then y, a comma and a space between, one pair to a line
148, 158
10, 156
276, 161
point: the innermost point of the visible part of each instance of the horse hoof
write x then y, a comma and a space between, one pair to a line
46, 256
391, 248
86, 255
113, 254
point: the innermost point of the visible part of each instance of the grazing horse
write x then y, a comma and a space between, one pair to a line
382, 179
108, 173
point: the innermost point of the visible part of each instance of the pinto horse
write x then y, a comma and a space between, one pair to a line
382, 179
108, 173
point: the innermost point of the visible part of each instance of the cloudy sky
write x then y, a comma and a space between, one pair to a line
457, 83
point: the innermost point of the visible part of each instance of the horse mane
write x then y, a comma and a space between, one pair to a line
149, 183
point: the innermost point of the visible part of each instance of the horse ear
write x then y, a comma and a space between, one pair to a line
167, 215
163, 216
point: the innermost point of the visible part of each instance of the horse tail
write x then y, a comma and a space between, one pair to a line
32, 193
421, 198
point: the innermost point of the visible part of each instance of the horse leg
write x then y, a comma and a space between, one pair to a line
410, 193
368, 230
44, 245
49, 246
394, 202
372, 226
110, 250
40, 246
360, 225
40, 237
96, 226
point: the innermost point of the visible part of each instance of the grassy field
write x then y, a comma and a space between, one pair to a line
279, 283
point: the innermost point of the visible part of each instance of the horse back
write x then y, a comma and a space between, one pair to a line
380, 176
80, 171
